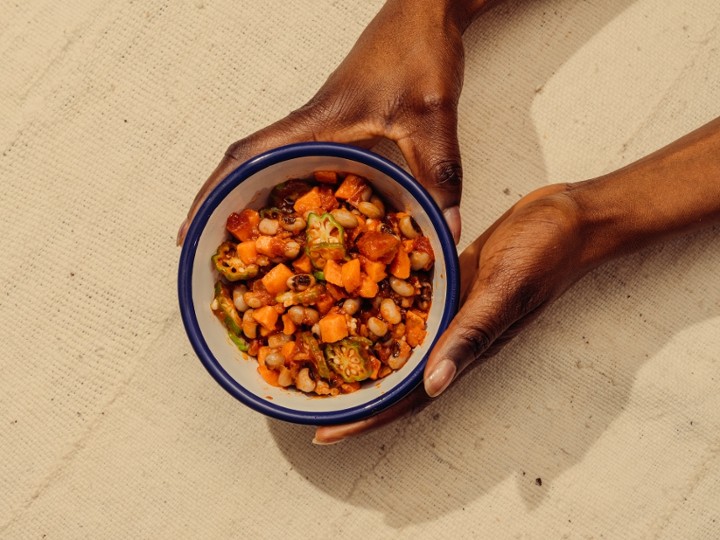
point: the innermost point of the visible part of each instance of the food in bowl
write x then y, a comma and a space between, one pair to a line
327, 286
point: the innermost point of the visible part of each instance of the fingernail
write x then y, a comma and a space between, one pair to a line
326, 443
181, 232
440, 378
452, 216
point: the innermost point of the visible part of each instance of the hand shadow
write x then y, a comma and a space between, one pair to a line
475, 437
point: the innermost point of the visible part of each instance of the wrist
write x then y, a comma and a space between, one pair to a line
452, 14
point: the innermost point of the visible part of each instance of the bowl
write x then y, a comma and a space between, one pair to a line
249, 186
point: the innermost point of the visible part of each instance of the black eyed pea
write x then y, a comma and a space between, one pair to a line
252, 300
419, 260
311, 317
390, 311
297, 314
268, 226
351, 306
292, 223
377, 327
345, 218
380, 205
303, 382
370, 210
291, 249
401, 287
249, 326
285, 378
300, 282
409, 227
238, 298
399, 354
274, 360
276, 341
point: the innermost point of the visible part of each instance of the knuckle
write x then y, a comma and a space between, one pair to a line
239, 149
476, 340
447, 174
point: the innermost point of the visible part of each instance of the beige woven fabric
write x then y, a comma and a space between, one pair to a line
601, 421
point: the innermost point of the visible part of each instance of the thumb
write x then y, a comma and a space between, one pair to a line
484, 317
298, 126
433, 155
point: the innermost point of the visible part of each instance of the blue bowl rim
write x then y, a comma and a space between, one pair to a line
189, 249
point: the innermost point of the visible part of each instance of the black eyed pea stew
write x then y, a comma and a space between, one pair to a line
326, 287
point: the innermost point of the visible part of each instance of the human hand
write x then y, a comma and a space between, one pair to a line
549, 240
401, 81
510, 274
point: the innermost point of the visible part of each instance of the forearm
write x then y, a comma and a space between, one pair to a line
672, 191
455, 14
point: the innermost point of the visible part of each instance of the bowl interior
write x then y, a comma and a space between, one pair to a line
242, 377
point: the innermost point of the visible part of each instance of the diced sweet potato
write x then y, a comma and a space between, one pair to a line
400, 265
375, 270
262, 355
333, 273
303, 265
368, 288
324, 303
275, 280
266, 317
289, 327
288, 350
351, 189
414, 328
310, 202
333, 327
378, 246
243, 225
270, 376
351, 278
272, 246
247, 252
422, 244
326, 177
328, 201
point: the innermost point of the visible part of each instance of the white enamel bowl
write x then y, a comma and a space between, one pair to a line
249, 186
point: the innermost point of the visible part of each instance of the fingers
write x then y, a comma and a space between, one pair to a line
296, 127
433, 154
411, 404
485, 316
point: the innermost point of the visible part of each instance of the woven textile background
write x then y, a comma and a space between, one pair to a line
602, 420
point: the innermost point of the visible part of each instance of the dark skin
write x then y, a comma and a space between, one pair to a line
535, 251
401, 86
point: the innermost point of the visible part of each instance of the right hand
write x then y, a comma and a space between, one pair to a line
401, 81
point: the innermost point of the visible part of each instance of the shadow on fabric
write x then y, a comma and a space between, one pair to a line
537, 408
